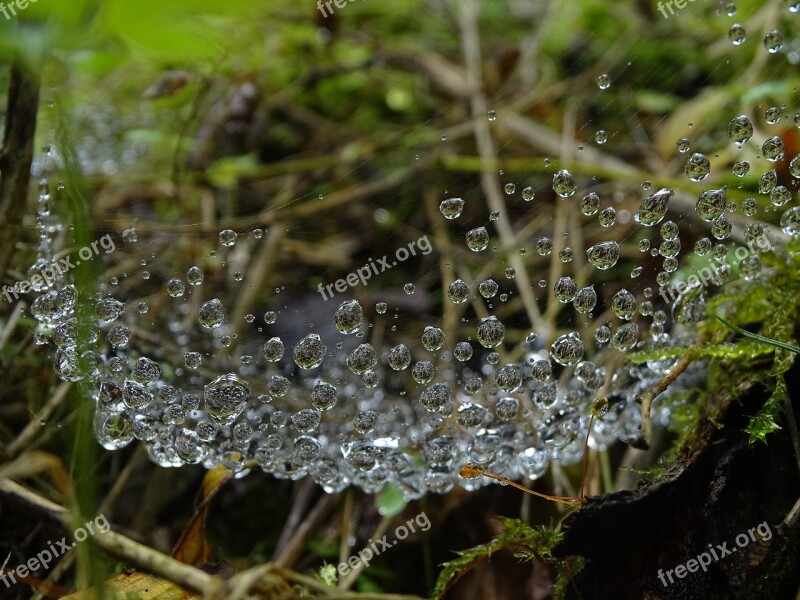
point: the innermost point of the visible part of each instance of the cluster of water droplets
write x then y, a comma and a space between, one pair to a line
196, 388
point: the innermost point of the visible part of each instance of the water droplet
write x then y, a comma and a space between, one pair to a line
273, 349
697, 167
432, 338
624, 305
227, 237
772, 115
506, 409
772, 149
608, 216
192, 360
711, 204
589, 204
779, 196
603, 81
671, 247
348, 317
458, 292
435, 397
565, 289
509, 188
669, 230
422, 371
528, 194
309, 352
773, 41
544, 246
362, 359
625, 337
567, 349
601, 137
749, 206
721, 228
211, 314
323, 396
194, 275
451, 208
740, 168
492, 115
794, 167
564, 183
653, 208
491, 332
790, 221
737, 34
585, 300
225, 398
603, 255
740, 129
477, 239
364, 421
175, 288
108, 310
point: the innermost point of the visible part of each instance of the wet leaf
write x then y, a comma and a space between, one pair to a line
192, 547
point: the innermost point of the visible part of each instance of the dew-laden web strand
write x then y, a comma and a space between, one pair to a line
474, 470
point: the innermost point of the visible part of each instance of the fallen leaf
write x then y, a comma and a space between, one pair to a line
138, 585
192, 547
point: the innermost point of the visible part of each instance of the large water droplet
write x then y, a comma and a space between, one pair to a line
211, 314
773, 41
309, 352
451, 208
225, 398
491, 332
348, 316
653, 208
399, 357
565, 289
603, 255
477, 239
624, 304
567, 349
697, 167
564, 183
362, 359
711, 204
458, 291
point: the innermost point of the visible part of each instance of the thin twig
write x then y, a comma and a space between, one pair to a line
123, 547
35, 424
348, 581
307, 528
646, 401
489, 179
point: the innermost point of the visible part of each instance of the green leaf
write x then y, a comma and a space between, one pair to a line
390, 501
755, 336
523, 540
763, 423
